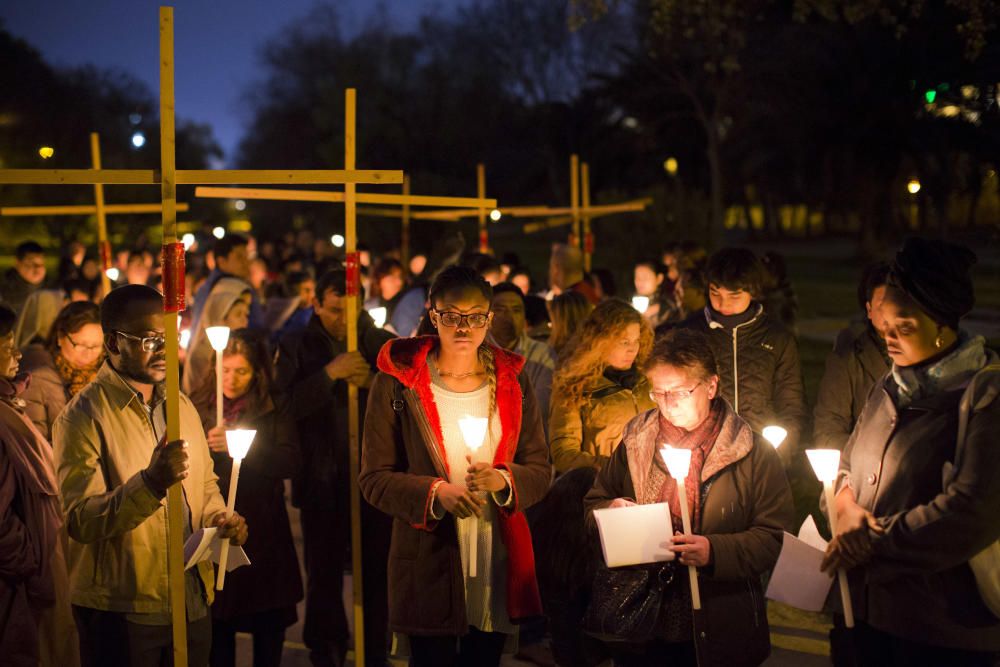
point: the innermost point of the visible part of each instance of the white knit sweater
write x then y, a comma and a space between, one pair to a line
486, 593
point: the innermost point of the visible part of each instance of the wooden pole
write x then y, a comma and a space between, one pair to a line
168, 190
588, 239
484, 235
574, 197
404, 244
350, 232
102, 220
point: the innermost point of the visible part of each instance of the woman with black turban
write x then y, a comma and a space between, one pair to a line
919, 484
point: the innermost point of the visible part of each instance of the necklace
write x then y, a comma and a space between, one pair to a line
458, 376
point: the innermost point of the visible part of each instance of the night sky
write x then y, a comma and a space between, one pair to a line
216, 42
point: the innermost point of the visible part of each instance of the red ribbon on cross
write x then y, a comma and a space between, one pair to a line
353, 265
104, 248
588, 243
172, 261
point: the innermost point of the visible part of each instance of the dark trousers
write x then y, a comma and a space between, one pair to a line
476, 649
108, 640
654, 653
267, 646
326, 538
875, 647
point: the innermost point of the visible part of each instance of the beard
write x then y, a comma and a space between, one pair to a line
142, 371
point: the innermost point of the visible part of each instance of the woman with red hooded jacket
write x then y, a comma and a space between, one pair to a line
454, 506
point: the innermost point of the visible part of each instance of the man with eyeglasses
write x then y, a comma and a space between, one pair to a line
25, 277
114, 468
313, 369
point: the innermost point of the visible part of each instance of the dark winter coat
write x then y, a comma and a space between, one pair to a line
403, 456
746, 506
318, 405
918, 584
855, 364
272, 580
759, 373
46, 395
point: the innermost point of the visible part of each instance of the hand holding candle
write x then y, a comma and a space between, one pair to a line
239, 441
825, 463
218, 337
474, 433
678, 463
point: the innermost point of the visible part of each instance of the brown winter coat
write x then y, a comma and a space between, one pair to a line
402, 458
855, 364
746, 506
586, 435
918, 584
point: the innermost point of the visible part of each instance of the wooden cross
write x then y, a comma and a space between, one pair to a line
405, 201
99, 208
168, 177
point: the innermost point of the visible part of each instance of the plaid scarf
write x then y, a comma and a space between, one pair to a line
700, 441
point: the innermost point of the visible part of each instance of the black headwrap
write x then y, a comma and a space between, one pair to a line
936, 275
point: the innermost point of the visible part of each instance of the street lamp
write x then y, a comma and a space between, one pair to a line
913, 187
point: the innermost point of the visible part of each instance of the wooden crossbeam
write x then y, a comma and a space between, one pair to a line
339, 197
199, 176
85, 209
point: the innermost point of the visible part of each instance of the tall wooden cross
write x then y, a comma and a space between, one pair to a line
98, 209
168, 177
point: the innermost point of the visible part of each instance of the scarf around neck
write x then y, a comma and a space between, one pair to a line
74, 378
700, 441
949, 372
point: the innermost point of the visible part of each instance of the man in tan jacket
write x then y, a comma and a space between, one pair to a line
114, 467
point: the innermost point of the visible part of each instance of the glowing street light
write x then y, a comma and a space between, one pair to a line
495, 215
46, 152
670, 166
337, 240
219, 232
239, 205
913, 187
138, 139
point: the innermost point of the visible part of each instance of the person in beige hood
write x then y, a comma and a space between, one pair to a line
114, 467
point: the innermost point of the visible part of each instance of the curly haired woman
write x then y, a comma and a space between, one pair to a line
598, 387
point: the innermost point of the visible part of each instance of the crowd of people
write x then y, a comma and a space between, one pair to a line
500, 411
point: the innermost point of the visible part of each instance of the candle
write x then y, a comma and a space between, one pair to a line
825, 463
640, 303
238, 441
218, 337
379, 315
474, 433
679, 464
774, 435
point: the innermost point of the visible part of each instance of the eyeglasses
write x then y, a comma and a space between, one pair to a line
677, 395
148, 343
85, 348
453, 319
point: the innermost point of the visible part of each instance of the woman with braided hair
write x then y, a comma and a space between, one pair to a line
416, 467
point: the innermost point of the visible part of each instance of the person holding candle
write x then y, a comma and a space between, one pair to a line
416, 466
114, 466
739, 503
598, 387
919, 484
259, 599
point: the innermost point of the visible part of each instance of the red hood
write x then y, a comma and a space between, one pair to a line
406, 359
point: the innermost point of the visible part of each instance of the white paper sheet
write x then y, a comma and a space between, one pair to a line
636, 534
797, 579
204, 545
